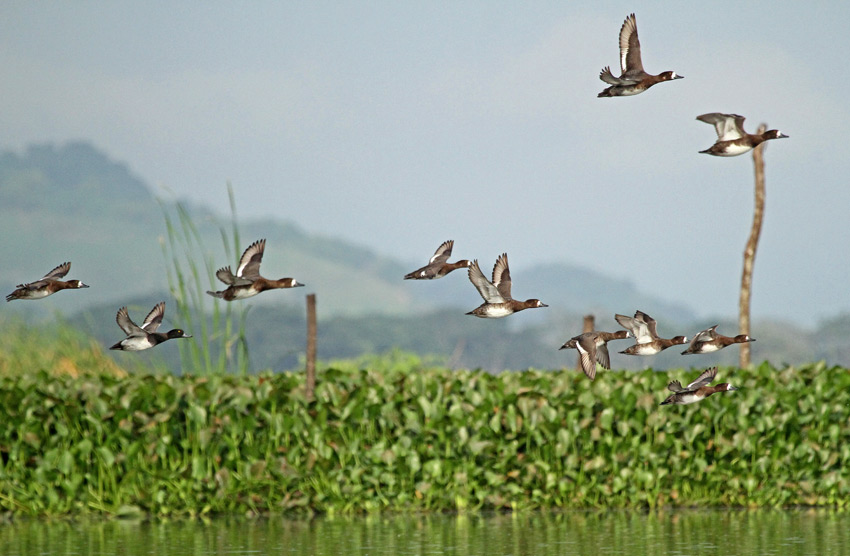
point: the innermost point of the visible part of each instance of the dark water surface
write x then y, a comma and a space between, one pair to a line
615, 532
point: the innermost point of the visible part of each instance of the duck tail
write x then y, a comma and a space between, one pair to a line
219, 295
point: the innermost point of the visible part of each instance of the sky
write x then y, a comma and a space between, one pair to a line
399, 125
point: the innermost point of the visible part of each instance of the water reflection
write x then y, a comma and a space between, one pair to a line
616, 532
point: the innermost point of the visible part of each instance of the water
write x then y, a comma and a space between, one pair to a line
677, 533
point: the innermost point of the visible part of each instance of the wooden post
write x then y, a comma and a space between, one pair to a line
750, 252
310, 379
587, 326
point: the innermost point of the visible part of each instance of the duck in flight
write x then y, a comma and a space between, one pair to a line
732, 140
144, 336
633, 79
247, 281
709, 341
697, 390
593, 348
49, 284
438, 266
644, 329
498, 302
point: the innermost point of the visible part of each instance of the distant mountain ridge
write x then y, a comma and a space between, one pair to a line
72, 202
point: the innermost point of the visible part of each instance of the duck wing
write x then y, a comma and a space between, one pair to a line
128, 326
154, 318
706, 335
630, 47
651, 325
586, 347
608, 77
602, 356
249, 264
442, 253
704, 379
676, 387
488, 291
639, 329
58, 272
502, 276
728, 126
227, 277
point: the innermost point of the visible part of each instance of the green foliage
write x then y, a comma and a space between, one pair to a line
401, 435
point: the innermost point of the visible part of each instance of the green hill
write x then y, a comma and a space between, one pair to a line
72, 202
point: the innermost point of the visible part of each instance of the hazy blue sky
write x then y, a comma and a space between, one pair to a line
401, 124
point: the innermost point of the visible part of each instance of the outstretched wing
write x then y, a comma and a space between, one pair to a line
608, 77
706, 335
586, 347
58, 272
154, 318
488, 291
704, 379
502, 276
638, 328
630, 46
249, 264
728, 126
443, 252
128, 326
676, 387
651, 325
227, 277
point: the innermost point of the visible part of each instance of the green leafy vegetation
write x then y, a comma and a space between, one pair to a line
395, 434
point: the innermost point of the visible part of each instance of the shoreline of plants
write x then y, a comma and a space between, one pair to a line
392, 434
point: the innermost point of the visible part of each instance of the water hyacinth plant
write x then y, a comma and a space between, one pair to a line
414, 437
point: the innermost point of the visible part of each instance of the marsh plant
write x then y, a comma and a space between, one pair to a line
218, 343
406, 436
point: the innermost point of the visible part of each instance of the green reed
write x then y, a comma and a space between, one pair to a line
411, 437
217, 345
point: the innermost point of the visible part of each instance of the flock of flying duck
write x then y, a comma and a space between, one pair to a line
247, 282
592, 346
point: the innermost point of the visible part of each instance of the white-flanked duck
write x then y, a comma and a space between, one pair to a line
593, 348
498, 302
633, 79
438, 266
732, 140
697, 390
709, 341
644, 329
49, 284
146, 335
247, 281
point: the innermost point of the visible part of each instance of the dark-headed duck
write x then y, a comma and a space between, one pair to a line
498, 302
643, 328
732, 140
247, 282
633, 79
438, 266
593, 348
47, 285
697, 390
144, 336
709, 340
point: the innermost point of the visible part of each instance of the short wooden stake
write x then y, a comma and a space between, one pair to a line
310, 379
